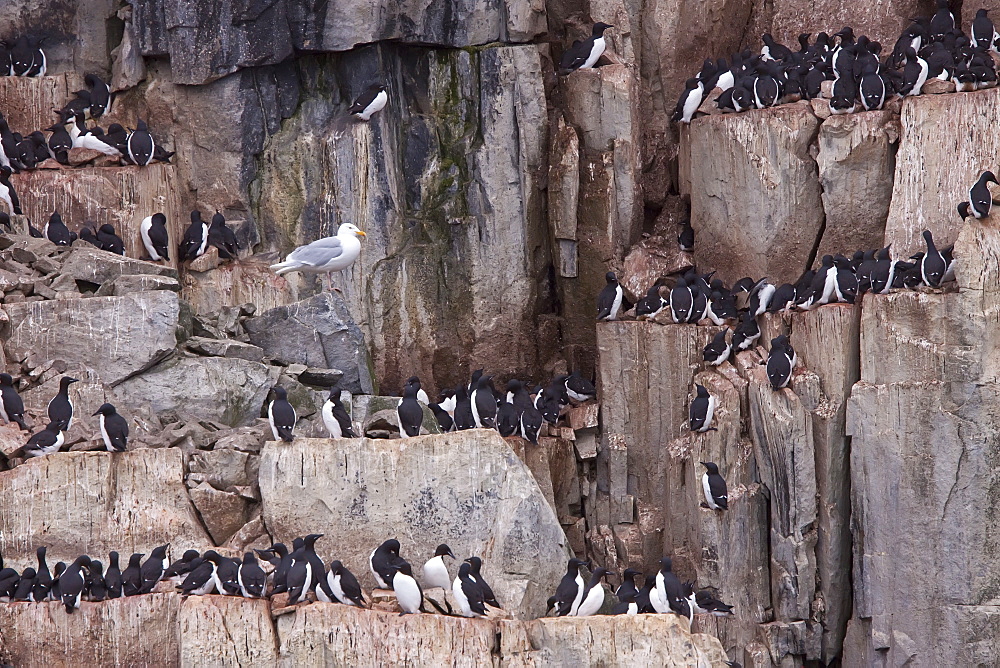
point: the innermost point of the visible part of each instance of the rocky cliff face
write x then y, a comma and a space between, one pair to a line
495, 196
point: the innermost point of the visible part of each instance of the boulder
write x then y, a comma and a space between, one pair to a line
358, 492
226, 390
650, 260
115, 336
856, 160
222, 513
225, 348
787, 18
757, 210
937, 162
126, 283
348, 636
650, 640
317, 332
95, 502
138, 630
92, 265
249, 280
27, 102
226, 631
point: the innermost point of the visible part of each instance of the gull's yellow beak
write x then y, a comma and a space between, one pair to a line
361, 234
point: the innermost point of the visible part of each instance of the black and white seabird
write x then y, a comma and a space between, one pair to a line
7, 193
611, 300
444, 419
153, 230
11, 405
569, 593
132, 575
681, 302
484, 404
477, 574
335, 417
717, 351
281, 415
43, 579
651, 305
464, 419
685, 240
980, 198
746, 333
300, 576
435, 570
370, 102
706, 603
97, 590
531, 423
100, 95
702, 410
508, 420
409, 414
114, 428
221, 237
195, 241
579, 389
56, 231
200, 579
72, 583
109, 240
344, 586
113, 577
46, 441
140, 144
584, 54
780, 362
409, 595
381, 560
669, 589
933, 264
714, 487
467, 593
153, 568
690, 99
593, 594
251, 577
181, 567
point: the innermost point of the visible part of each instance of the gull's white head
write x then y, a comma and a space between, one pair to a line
348, 228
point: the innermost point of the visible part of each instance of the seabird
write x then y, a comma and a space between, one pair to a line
335, 417
780, 362
110, 241
46, 441
200, 579
409, 595
714, 487
281, 415
467, 593
670, 591
477, 574
691, 98
222, 238
980, 198
409, 414
685, 240
508, 421
11, 406
569, 593
593, 594
932, 265
153, 230
435, 571
114, 428
344, 586
140, 144
484, 404
381, 560
324, 256
300, 576
132, 575
584, 54
43, 579
579, 389
371, 101
251, 577
464, 418
113, 577
195, 241
100, 95
182, 566
702, 410
717, 351
72, 583
611, 300
153, 568
56, 231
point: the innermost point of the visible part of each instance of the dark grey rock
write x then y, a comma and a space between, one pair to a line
317, 332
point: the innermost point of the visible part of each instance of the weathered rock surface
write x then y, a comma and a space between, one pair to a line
856, 163
652, 640
204, 45
939, 159
226, 631
466, 488
226, 390
116, 336
95, 502
317, 332
27, 102
757, 208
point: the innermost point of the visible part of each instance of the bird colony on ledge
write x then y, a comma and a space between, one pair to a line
929, 49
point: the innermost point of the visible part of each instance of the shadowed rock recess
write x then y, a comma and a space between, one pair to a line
495, 194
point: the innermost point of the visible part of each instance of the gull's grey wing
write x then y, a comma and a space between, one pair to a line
318, 252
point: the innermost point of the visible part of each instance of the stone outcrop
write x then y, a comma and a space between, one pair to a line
467, 489
97, 502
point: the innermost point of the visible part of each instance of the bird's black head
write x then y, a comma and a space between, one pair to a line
599, 28
6, 380
311, 539
600, 572
666, 564
336, 566
475, 562
711, 466
402, 567
611, 278
702, 392
136, 558
190, 555
105, 410
630, 573
577, 562
280, 393
443, 550
989, 177
963, 210
391, 546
